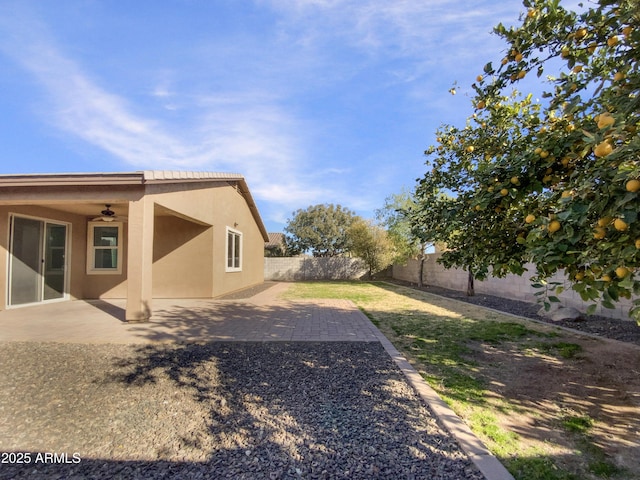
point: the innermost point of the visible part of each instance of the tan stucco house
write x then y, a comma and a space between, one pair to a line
137, 235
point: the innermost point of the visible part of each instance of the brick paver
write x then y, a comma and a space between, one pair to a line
263, 317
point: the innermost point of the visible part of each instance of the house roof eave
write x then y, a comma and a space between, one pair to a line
135, 178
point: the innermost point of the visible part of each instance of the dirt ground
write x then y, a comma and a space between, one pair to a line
536, 392
602, 382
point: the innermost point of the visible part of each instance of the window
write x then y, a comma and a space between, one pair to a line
234, 251
104, 248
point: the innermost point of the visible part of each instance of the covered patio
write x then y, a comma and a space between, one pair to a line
134, 235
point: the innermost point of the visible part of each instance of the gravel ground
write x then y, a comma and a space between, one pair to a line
217, 410
623, 330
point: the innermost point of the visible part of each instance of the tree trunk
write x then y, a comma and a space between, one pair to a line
470, 289
420, 285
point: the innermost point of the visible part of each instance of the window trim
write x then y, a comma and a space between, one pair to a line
236, 235
91, 249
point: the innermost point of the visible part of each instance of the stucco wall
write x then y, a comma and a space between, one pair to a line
182, 259
190, 226
190, 253
511, 286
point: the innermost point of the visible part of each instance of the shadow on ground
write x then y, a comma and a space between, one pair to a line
249, 410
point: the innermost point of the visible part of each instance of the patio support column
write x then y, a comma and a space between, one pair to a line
139, 260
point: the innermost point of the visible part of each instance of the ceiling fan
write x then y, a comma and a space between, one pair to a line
108, 215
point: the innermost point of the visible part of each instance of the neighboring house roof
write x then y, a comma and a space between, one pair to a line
275, 240
135, 178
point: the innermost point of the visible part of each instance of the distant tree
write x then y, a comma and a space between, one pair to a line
291, 249
372, 244
320, 229
395, 216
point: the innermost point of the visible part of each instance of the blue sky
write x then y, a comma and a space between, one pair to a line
313, 101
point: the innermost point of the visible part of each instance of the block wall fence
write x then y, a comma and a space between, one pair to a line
512, 286
290, 269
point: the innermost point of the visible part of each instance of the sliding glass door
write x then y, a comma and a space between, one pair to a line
37, 270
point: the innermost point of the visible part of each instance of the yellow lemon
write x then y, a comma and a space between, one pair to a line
603, 149
622, 272
530, 218
620, 225
554, 226
605, 120
633, 185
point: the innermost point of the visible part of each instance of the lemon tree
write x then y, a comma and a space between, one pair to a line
555, 181
468, 199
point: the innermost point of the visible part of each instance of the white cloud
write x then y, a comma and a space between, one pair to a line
428, 30
246, 132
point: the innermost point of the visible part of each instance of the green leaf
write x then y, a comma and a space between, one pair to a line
591, 309
627, 282
630, 216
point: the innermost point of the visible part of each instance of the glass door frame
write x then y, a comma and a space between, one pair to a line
43, 259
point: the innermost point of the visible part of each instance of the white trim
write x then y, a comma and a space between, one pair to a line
67, 259
91, 249
236, 234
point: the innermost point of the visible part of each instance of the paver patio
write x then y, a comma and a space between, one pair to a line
260, 318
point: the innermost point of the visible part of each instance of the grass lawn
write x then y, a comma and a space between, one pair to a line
517, 384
